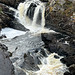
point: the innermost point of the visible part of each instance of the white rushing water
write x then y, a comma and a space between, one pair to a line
51, 66
11, 33
29, 17
24, 19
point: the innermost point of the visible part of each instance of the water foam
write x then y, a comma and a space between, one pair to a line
52, 66
49, 66
26, 21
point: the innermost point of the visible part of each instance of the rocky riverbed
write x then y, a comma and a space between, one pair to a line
6, 66
25, 52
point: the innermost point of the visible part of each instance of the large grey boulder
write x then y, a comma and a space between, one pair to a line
6, 67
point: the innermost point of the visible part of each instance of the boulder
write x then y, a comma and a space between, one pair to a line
54, 43
6, 67
7, 18
44, 0
72, 69
12, 3
62, 45
70, 60
4, 20
60, 16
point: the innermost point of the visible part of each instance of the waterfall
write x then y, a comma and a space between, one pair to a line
43, 19
35, 15
31, 14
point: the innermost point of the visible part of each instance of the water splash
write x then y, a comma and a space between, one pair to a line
51, 66
35, 15
24, 12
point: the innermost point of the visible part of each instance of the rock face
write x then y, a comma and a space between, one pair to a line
60, 16
44, 0
7, 19
62, 45
6, 67
54, 43
26, 50
12, 3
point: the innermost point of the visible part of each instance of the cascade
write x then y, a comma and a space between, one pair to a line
31, 14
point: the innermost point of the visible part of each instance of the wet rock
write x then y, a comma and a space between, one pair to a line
53, 44
59, 16
16, 25
37, 54
7, 19
3, 47
6, 67
32, 59
67, 73
29, 63
68, 60
2, 36
6, 10
20, 72
57, 44
72, 69
57, 57
12, 3
44, 0
4, 20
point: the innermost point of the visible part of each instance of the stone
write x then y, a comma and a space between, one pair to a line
58, 16
62, 45
72, 69
67, 73
12, 3
6, 67
7, 19
44, 0
68, 60
29, 63
53, 44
